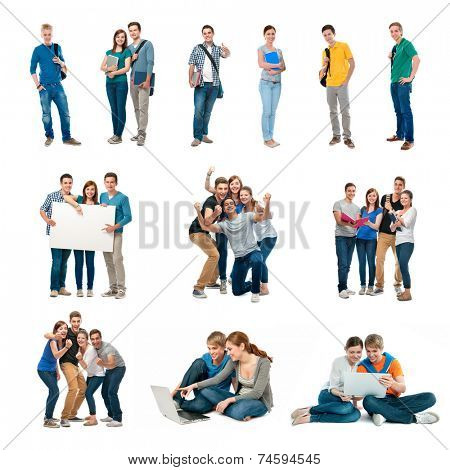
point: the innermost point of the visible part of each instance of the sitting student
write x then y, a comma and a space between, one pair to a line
206, 367
407, 409
254, 395
334, 406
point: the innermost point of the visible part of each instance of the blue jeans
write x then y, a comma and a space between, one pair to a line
405, 124
196, 373
117, 95
90, 267
92, 385
49, 378
204, 99
55, 92
266, 245
366, 250
399, 410
331, 409
222, 248
404, 252
253, 261
344, 251
270, 95
110, 390
59, 268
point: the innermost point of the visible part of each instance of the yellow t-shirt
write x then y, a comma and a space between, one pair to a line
340, 53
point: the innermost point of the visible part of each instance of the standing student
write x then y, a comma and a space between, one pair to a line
114, 260
59, 256
143, 60
341, 65
52, 66
116, 82
366, 239
110, 359
90, 197
393, 407
404, 65
345, 237
48, 372
252, 368
334, 406
404, 240
270, 60
205, 58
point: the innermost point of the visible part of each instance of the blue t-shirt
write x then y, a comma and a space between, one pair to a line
48, 361
49, 71
213, 370
365, 232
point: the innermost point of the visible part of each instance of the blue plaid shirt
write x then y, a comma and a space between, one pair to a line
48, 205
197, 58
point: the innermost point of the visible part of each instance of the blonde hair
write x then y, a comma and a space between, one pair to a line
375, 341
217, 338
46, 26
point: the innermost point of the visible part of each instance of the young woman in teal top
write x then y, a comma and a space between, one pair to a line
116, 83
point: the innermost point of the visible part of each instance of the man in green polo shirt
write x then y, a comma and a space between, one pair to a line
404, 65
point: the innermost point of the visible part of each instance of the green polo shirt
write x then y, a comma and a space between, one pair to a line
402, 65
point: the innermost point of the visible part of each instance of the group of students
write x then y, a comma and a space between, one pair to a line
336, 407
337, 69
233, 215
68, 348
373, 229
114, 260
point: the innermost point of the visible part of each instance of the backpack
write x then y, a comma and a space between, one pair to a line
323, 80
55, 50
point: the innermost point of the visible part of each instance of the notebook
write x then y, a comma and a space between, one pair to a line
111, 60
272, 58
359, 222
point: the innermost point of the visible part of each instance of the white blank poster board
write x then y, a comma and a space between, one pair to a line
82, 232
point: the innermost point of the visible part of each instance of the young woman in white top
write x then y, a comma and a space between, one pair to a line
334, 406
87, 358
404, 240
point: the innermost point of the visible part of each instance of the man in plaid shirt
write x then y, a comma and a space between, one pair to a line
59, 256
206, 92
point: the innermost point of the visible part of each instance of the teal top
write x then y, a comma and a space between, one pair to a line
80, 200
402, 63
122, 56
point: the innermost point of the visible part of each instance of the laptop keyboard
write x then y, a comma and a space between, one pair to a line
191, 416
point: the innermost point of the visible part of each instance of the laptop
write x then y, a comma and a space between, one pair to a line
362, 384
168, 409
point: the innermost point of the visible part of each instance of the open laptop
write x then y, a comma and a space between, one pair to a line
168, 409
363, 384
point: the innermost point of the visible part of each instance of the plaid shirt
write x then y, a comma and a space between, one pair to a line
197, 58
48, 205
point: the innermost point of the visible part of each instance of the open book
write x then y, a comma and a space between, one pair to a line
356, 224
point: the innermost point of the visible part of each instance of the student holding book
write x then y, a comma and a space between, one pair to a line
270, 60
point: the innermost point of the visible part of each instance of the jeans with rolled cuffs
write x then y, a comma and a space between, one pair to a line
331, 409
59, 268
54, 92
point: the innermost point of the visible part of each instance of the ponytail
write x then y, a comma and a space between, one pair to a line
238, 338
258, 352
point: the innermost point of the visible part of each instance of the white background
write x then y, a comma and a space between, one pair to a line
159, 328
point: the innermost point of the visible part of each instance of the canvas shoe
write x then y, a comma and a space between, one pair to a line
90, 293
114, 424
213, 286
108, 419
369, 291
199, 294
80, 293
343, 294
49, 423
195, 143
378, 419
134, 138
54, 293
223, 287
351, 292
120, 294
65, 423
427, 417
76, 419
64, 291
362, 291
255, 298
110, 293
377, 291
141, 140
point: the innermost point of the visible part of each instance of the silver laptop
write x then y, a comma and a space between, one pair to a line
168, 409
363, 384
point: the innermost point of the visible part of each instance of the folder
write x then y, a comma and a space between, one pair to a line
359, 222
272, 58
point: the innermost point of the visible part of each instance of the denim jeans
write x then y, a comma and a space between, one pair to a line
55, 92
222, 248
196, 373
331, 409
117, 95
92, 385
110, 390
90, 267
49, 378
399, 409
405, 124
266, 246
270, 95
59, 268
344, 251
204, 99
404, 252
366, 250
253, 261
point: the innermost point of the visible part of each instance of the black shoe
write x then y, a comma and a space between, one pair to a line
213, 286
76, 419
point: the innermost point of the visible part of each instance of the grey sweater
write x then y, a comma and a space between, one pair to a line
261, 389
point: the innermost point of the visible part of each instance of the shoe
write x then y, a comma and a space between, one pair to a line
115, 139
120, 294
106, 420
141, 140
369, 291
223, 287
349, 143
271, 144
65, 423
427, 417
199, 294
76, 419
80, 293
64, 291
276, 144
335, 140
343, 294
109, 293
90, 293
255, 298
54, 293
403, 297
134, 138
195, 143
47, 143
207, 140
213, 286
56, 420
49, 423
394, 138
378, 291
378, 420
72, 141
407, 145
350, 292
299, 412
398, 290
89, 422
362, 291
114, 424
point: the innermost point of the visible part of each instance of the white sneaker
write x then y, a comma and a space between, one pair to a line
343, 294
369, 291
428, 417
90, 293
378, 420
120, 294
255, 297
362, 291
106, 420
65, 423
114, 424
351, 292
80, 293
398, 290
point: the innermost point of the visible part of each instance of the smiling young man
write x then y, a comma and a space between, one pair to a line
393, 408
114, 260
51, 63
345, 237
404, 65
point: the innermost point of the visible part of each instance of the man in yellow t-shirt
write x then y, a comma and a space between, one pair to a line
340, 69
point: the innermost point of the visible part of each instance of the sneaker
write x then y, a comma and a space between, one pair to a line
47, 143
115, 139
223, 287
134, 138
106, 420
362, 291
271, 143
90, 293
343, 294
72, 141
195, 143
141, 140
76, 419
54, 293
56, 420
378, 419
109, 293
351, 292
207, 140
407, 145
428, 417
369, 291
64, 291
213, 286
199, 294
404, 297
65, 423
335, 140
90, 422
255, 298
80, 293
377, 291
398, 290
394, 138
120, 294
349, 143
49, 423
114, 424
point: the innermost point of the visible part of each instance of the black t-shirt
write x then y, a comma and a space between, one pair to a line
386, 221
71, 353
210, 203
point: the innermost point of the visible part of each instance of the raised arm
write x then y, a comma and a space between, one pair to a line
214, 214
208, 186
259, 217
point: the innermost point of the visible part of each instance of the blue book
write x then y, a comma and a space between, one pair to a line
272, 58
139, 77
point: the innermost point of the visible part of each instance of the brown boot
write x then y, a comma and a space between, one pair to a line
335, 140
407, 145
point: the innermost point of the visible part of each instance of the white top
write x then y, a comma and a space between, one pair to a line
339, 367
207, 67
265, 228
90, 357
406, 234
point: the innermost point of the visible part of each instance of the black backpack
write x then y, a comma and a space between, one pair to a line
323, 80
55, 50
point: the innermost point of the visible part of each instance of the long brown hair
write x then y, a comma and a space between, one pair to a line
124, 45
58, 324
252, 201
376, 204
238, 338
86, 185
232, 178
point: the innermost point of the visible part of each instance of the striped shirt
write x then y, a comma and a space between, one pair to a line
47, 207
198, 57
